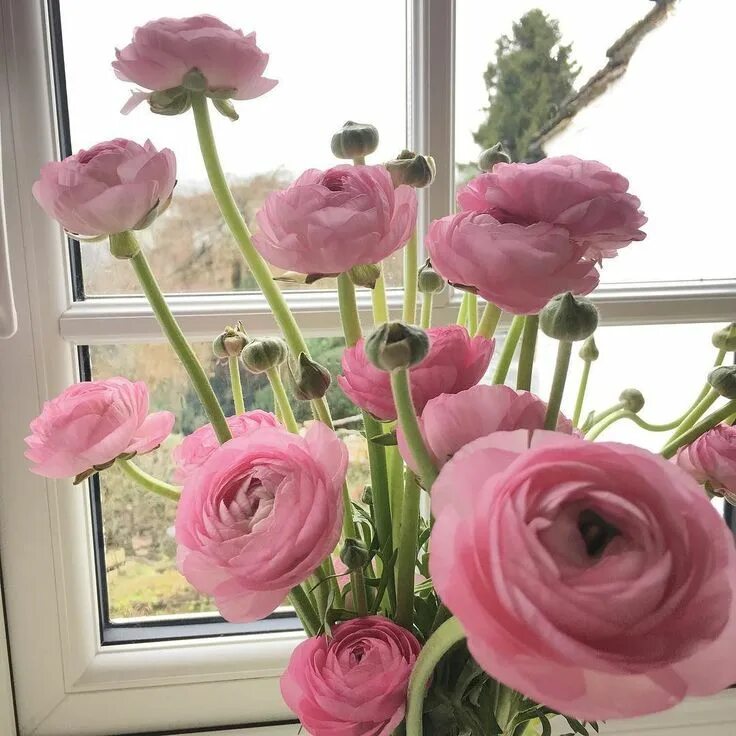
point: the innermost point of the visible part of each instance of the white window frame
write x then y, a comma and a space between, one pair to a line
65, 682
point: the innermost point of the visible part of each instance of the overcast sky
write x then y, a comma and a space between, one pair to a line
334, 59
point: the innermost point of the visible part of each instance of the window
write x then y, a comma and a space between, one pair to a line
149, 667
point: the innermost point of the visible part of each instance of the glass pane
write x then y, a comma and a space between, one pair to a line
326, 76
140, 550
640, 124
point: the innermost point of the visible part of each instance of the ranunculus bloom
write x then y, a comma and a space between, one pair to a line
163, 51
593, 577
519, 268
353, 683
326, 222
114, 186
585, 197
451, 421
257, 518
90, 424
711, 459
200, 444
455, 362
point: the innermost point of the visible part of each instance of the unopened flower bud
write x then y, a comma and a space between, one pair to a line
396, 345
723, 380
229, 343
412, 169
354, 140
308, 379
260, 356
632, 399
725, 338
589, 350
365, 274
569, 318
366, 497
354, 554
428, 280
492, 156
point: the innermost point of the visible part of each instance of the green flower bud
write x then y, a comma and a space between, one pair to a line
365, 274
260, 356
569, 318
366, 497
230, 342
354, 554
723, 380
492, 156
428, 280
354, 140
412, 169
632, 399
308, 379
589, 350
725, 338
396, 345
173, 101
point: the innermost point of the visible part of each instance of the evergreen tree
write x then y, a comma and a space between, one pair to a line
531, 76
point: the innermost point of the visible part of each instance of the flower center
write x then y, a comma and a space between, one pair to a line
334, 181
596, 532
357, 654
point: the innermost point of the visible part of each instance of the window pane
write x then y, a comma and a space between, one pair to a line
642, 123
326, 76
140, 551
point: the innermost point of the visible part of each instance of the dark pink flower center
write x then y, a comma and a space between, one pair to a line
357, 654
334, 180
596, 532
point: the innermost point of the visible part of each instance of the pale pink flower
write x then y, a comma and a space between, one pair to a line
200, 444
114, 186
90, 424
259, 516
585, 197
519, 268
595, 578
451, 421
163, 51
326, 222
711, 459
455, 361
354, 682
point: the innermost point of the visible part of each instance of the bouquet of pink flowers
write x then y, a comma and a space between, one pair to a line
502, 569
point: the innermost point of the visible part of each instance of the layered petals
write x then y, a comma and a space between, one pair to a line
711, 459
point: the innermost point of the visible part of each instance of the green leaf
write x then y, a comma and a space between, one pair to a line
385, 440
576, 726
546, 726
388, 571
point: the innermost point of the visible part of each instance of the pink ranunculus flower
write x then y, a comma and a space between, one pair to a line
711, 459
90, 424
354, 682
114, 186
585, 197
326, 222
194, 449
455, 361
163, 51
593, 577
519, 268
261, 513
451, 421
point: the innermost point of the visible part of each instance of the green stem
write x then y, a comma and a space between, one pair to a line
592, 421
489, 321
147, 481
380, 303
700, 408
426, 319
239, 229
601, 426
396, 488
526, 355
304, 609
582, 388
462, 314
407, 557
236, 385
449, 634
322, 593
564, 351
411, 265
180, 345
509, 348
282, 400
348, 310
703, 426
360, 599
410, 426
472, 313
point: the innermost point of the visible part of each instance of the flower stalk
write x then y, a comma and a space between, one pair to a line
526, 356
564, 352
147, 481
407, 556
509, 348
411, 267
236, 384
488, 322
